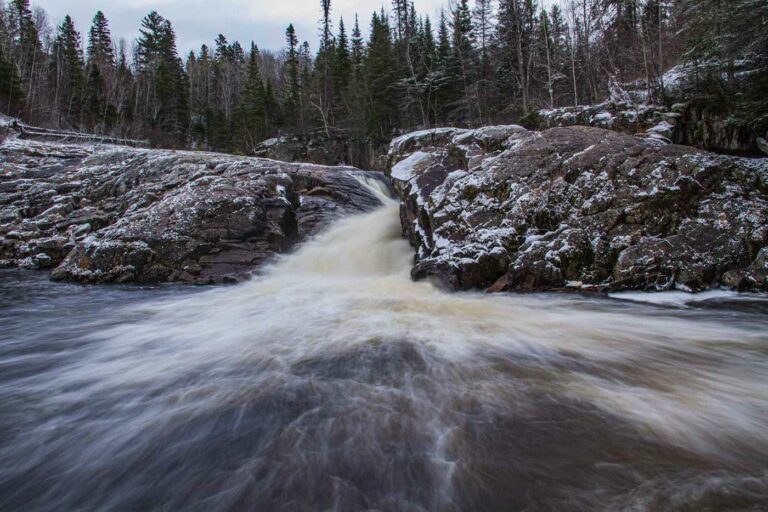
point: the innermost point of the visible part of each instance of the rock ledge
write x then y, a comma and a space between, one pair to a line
100, 214
504, 208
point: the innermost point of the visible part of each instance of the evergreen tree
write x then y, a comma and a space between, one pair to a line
400, 13
482, 17
222, 48
101, 66
342, 69
513, 53
448, 82
11, 96
355, 88
358, 47
68, 69
124, 86
292, 91
251, 112
164, 87
463, 53
94, 102
325, 66
273, 116
26, 51
100, 42
621, 36
381, 80
308, 92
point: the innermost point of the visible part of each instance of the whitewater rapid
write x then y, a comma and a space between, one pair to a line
335, 382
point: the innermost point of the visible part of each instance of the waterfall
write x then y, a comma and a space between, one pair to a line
335, 382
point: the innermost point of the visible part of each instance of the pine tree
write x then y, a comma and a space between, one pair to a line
124, 89
308, 90
100, 68
513, 52
355, 88
11, 96
622, 37
94, 101
292, 90
164, 86
482, 17
100, 42
463, 53
68, 70
358, 47
251, 112
400, 13
325, 64
447, 76
273, 115
26, 51
342, 69
381, 80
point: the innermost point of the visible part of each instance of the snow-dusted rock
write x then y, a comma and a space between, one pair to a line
626, 117
689, 120
117, 214
539, 210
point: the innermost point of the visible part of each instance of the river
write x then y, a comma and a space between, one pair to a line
333, 382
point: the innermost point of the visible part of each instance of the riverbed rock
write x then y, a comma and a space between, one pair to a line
116, 214
579, 207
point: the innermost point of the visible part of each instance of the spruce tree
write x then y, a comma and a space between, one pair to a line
292, 90
164, 85
94, 101
463, 53
100, 42
68, 69
273, 115
358, 47
308, 87
325, 64
26, 51
381, 80
251, 111
482, 18
342, 69
355, 88
11, 96
101, 66
447, 79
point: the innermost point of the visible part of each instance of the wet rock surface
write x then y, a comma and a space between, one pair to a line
116, 214
504, 208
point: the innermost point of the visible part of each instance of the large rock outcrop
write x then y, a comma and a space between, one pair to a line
509, 209
116, 214
682, 113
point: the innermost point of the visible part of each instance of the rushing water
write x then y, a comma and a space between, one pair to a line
334, 382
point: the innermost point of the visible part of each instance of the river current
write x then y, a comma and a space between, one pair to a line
333, 382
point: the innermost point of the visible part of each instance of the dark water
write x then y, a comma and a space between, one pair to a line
337, 384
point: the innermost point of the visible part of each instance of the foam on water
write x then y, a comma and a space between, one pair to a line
335, 377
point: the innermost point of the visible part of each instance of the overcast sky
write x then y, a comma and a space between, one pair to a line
200, 21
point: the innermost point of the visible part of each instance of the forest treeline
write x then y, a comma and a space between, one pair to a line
475, 64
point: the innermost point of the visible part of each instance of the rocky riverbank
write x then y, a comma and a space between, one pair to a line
115, 214
505, 208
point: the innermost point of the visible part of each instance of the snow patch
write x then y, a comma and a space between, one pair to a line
680, 298
404, 169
